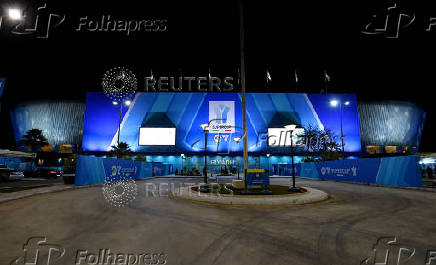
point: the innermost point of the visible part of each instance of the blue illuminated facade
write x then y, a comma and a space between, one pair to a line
187, 111
61, 122
391, 123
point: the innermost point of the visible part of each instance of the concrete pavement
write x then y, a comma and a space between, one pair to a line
342, 230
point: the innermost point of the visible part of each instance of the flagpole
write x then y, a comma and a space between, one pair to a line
244, 106
296, 80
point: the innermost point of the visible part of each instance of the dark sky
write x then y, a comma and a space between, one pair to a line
309, 36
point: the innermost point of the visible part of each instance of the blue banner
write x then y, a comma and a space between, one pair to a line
95, 170
393, 171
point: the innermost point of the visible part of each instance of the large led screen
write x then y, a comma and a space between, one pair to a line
157, 136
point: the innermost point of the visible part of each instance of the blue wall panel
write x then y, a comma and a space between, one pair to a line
95, 170
393, 171
188, 110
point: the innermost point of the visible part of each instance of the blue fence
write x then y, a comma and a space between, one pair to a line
15, 163
394, 171
95, 170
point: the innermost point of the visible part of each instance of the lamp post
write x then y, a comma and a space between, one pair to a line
127, 102
237, 140
267, 156
183, 158
205, 128
335, 103
291, 128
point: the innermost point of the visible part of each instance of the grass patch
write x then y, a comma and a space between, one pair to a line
15, 189
229, 189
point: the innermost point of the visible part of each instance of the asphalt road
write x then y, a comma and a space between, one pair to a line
30, 182
342, 230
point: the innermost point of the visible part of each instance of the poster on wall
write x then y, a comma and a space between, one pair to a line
221, 116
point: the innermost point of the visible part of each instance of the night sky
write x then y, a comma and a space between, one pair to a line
309, 36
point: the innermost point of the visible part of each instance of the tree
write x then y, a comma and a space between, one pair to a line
320, 142
33, 139
140, 157
122, 150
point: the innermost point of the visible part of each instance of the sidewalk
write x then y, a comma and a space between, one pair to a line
4, 197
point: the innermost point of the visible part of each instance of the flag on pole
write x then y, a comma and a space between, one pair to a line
151, 75
210, 77
239, 76
326, 76
296, 76
268, 76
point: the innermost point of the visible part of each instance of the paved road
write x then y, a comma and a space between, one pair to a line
342, 230
30, 182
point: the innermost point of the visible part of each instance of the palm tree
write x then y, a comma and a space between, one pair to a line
122, 150
33, 139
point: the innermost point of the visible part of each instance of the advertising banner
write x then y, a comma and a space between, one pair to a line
95, 170
221, 116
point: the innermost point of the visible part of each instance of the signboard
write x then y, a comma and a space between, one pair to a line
257, 177
221, 116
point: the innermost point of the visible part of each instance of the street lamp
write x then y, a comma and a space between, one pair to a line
14, 14
237, 140
183, 157
205, 128
127, 103
291, 128
334, 103
269, 173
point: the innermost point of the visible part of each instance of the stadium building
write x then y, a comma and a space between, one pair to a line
163, 126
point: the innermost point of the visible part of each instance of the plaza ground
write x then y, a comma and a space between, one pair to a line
341, 230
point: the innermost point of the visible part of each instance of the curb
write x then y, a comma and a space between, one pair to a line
312, 196
43, 190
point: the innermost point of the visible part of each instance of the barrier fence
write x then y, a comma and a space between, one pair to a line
394, 171
95, 170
